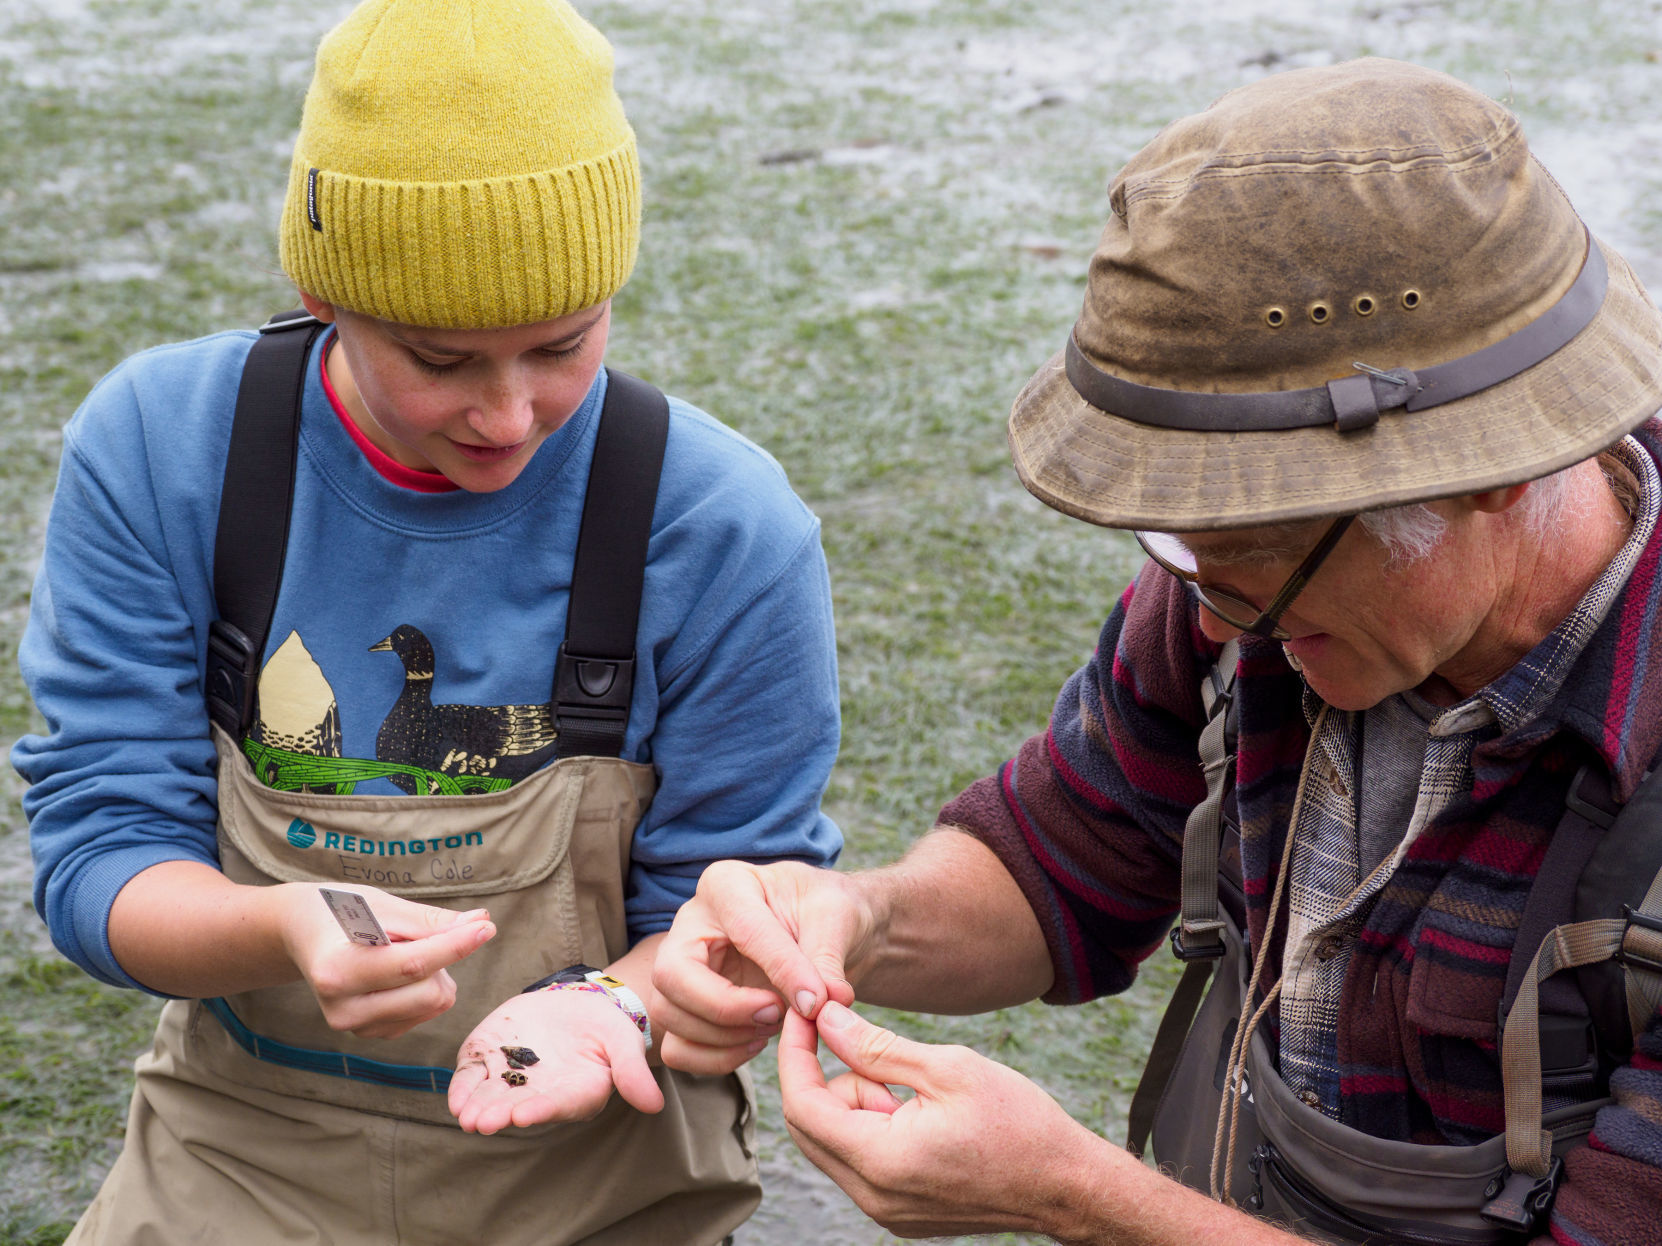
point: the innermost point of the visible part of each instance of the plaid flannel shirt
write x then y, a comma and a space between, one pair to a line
1328, 897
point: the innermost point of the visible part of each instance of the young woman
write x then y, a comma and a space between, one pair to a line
462, 205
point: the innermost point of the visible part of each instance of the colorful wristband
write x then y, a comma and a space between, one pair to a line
621, 995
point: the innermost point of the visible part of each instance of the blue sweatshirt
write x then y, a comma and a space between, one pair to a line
735, 696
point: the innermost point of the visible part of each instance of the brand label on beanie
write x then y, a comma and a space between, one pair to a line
311, 201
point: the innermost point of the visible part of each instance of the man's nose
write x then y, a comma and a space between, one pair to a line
1215, 629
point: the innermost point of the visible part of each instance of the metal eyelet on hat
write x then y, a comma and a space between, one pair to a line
1411, 299
1275, 317
1320, 313
1364, 305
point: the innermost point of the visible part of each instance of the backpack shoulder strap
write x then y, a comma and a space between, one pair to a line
1622, 874
254, 505
1620, 877
595, 674
1197, 939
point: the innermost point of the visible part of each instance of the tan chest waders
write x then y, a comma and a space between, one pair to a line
253, 1122
1285, 1161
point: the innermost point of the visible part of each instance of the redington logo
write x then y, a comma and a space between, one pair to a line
303, 834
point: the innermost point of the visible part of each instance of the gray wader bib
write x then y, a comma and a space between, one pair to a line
1292, 1164
252, 1121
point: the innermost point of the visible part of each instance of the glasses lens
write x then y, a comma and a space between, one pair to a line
1168, 551
1235, 611
1177, 558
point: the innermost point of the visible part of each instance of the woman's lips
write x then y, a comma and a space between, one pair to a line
487, 454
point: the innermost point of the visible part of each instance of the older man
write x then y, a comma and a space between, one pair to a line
1338, 294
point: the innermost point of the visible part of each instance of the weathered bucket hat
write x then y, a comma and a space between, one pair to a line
1334, 290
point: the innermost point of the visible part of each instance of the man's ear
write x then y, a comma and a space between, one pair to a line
323, 311
1492, 501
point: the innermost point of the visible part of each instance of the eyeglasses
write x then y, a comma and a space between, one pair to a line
1176, 557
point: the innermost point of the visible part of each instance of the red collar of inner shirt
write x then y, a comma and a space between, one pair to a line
379, 459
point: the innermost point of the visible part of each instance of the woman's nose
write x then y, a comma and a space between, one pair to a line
503, 417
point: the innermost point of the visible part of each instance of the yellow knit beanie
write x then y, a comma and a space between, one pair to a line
462, 164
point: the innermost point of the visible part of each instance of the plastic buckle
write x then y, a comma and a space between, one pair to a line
1217, 693
1201, 949
1255, 1166
1597, 814
1519, 1201
1638, 960
232, 676
591, 689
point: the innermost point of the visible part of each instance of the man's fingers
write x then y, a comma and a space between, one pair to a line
800, 1075
708, 1009
815, 1114
875, 1053
685, 979
678, 1053
745, 913
864, 1094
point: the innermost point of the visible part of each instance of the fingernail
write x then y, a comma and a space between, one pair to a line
471, 914
805, 1002
835, 1017
484, 935
767, 1015
756, 1046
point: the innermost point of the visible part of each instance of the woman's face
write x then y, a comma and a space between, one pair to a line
473, 404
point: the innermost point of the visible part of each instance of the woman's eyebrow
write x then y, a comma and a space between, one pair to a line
442, 348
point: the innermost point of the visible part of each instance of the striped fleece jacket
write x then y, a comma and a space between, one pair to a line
1088, 818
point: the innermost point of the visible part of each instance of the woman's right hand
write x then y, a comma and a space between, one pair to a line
379, 992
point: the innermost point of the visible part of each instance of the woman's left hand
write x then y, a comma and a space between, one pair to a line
585, 1046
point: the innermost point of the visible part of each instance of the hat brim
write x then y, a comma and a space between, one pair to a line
1115, 472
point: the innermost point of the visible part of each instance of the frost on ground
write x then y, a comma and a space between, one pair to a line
866, 224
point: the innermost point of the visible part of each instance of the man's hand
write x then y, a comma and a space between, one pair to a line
585, 1045
753, 943
378, 992
978, 1149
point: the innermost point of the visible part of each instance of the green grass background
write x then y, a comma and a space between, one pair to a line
866, 224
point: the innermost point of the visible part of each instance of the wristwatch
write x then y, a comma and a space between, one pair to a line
587, 977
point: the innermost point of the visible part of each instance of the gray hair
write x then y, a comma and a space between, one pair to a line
1411, 532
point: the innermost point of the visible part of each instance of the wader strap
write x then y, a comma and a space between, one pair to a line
1162, 1056
1196, 939
595, 674
254, 505
1635, 940
1197, 934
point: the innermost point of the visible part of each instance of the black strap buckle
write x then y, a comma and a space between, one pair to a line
1519, 1201
1207, 943
591, 702
1630, 957
233, 676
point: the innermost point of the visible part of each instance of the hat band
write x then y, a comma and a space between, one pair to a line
1353, 402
